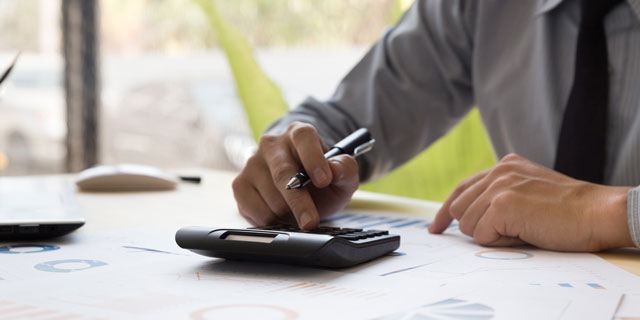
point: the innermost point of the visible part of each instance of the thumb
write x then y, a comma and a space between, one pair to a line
345, 173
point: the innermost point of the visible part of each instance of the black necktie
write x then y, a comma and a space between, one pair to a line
581, 150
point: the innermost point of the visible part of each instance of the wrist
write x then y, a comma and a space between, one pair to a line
611, 226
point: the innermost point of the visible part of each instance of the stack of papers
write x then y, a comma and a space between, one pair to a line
143, 274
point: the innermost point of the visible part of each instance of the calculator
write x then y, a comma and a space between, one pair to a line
324, 246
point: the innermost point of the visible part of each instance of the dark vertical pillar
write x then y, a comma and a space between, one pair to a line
80, 25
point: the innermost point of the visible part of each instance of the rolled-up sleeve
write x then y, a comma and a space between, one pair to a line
411, 87
633, 212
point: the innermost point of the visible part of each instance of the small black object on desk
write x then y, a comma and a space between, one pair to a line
194, 179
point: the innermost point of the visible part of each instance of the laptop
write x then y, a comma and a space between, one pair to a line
37, 208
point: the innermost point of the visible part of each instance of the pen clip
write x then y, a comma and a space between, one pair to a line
364, 148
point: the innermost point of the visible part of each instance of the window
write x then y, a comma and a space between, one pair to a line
32, 99
169, 96
164, 91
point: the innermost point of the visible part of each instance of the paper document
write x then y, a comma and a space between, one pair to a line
453, 258
143, 274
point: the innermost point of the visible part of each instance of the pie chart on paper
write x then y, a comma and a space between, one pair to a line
446, 309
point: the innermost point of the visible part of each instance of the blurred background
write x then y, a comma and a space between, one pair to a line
187, 83
167, 94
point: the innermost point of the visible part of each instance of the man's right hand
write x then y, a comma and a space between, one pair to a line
260, 188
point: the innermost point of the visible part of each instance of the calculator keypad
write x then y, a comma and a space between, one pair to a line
351, 234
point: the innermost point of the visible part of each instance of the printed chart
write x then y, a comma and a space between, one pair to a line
12, 310
68, 265
26, 248
448, 309
144, 275
367, 221
245, 311
503, 254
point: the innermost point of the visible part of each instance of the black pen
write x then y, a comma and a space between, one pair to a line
355, 144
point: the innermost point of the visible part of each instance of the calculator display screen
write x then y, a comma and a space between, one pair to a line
267, 238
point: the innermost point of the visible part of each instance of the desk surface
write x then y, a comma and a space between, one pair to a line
212, 203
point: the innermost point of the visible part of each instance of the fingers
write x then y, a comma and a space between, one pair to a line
257, 168
489, 234
491, 195
467, 192
505, 242
459, 205
501, 224
282, 166
278, 158
499, 176
308, 147
344, 169
251, 205
444, 217
468, 223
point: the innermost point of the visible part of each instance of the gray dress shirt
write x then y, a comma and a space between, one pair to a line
513, 59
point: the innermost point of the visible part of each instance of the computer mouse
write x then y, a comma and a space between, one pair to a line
125, 177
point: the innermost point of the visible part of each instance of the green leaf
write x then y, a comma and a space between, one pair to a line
262, 99
431, 175
434, 173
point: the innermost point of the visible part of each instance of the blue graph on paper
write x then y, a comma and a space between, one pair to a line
26, 248
58, 265
377, 221
446, 309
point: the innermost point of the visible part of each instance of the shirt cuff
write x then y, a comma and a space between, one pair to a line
633, 212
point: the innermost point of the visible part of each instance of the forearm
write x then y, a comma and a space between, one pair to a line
408, 90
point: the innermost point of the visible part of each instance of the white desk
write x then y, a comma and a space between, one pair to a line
211, 203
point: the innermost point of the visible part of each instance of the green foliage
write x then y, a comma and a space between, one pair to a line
434, 173
431, 175
398, 9
262, 99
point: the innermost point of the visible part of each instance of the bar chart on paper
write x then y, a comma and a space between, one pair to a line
281, 286
379, 221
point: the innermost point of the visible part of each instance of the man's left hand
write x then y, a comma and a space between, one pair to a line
521, 202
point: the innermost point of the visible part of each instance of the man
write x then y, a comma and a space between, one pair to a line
557, 84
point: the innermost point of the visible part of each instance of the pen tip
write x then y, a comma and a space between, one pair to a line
294, 183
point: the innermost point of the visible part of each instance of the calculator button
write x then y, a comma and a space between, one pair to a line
379, 232
352, 234
355, 235
348, 236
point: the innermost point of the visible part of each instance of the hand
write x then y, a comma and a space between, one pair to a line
518, 201
260, 188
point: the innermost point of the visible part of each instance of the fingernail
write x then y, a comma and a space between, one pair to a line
340, 169
305, 219
319, 175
